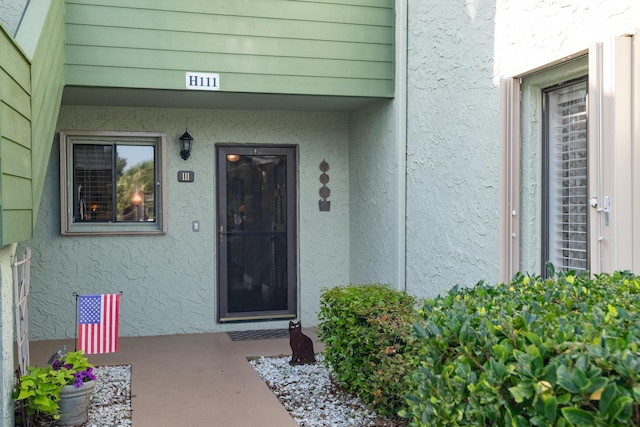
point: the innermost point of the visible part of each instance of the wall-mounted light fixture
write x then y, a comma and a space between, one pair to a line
233, 158
185, 145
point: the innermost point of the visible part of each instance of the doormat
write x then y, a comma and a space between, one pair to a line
260, 334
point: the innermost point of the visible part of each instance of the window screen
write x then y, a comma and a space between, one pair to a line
565, 134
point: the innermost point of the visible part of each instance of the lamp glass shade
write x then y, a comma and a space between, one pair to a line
185, 145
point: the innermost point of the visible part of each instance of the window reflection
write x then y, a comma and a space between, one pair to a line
104, 172
135, 179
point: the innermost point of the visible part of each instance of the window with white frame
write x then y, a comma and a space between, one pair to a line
565, 176
112, 182
544, 170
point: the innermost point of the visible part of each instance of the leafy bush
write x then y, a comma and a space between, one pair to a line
534, 352
366, 330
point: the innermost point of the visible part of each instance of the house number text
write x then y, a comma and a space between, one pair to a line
202, 81
185, 176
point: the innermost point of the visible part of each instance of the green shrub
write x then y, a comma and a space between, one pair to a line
534, 352
366, 330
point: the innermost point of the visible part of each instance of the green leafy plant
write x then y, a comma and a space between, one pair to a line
532, 352
40, 391
40, 388
366, 330
76, 368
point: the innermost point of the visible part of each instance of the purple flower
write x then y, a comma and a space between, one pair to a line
81, 377
89, 374
77, 379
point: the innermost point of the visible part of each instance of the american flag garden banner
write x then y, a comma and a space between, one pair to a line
98, 323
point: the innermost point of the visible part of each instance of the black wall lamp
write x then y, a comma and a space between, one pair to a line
185, 145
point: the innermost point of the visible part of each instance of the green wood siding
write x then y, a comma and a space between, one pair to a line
15, 226
47, 74
15, 143
30, 94
265, 46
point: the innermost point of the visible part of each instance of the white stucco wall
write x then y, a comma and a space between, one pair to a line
10, 14
169, 282
7, 334
531, 34
453, 146
373, 173
377, 179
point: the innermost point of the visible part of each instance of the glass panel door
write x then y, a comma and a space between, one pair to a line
565, 181
256, 232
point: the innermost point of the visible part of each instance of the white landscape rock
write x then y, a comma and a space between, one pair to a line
111, 400
307, 393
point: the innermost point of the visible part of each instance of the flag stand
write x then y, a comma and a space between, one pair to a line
77, 296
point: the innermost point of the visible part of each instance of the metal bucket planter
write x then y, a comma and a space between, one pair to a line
74, 404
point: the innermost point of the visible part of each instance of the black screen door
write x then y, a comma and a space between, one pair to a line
257, 273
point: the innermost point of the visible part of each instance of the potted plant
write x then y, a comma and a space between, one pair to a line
59, 393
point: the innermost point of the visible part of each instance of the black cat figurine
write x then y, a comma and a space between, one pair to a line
301, 346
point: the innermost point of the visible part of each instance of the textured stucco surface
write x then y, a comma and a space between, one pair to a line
453, 146
10, 14
373, 197
7, 334
169, 281
531, 34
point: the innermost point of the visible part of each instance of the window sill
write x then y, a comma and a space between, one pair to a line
113, 230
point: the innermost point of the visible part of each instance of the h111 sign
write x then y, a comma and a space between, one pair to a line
203, 81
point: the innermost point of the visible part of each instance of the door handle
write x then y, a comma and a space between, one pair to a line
222, 233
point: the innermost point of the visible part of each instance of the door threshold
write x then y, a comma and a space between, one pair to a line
257, 318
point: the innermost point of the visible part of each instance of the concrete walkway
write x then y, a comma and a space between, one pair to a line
193, 380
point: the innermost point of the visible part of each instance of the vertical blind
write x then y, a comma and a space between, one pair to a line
567, 177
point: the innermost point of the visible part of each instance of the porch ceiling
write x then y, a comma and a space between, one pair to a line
123, 97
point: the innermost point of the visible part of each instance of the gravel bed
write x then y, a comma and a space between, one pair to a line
310, 397
111, 400
305, 391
